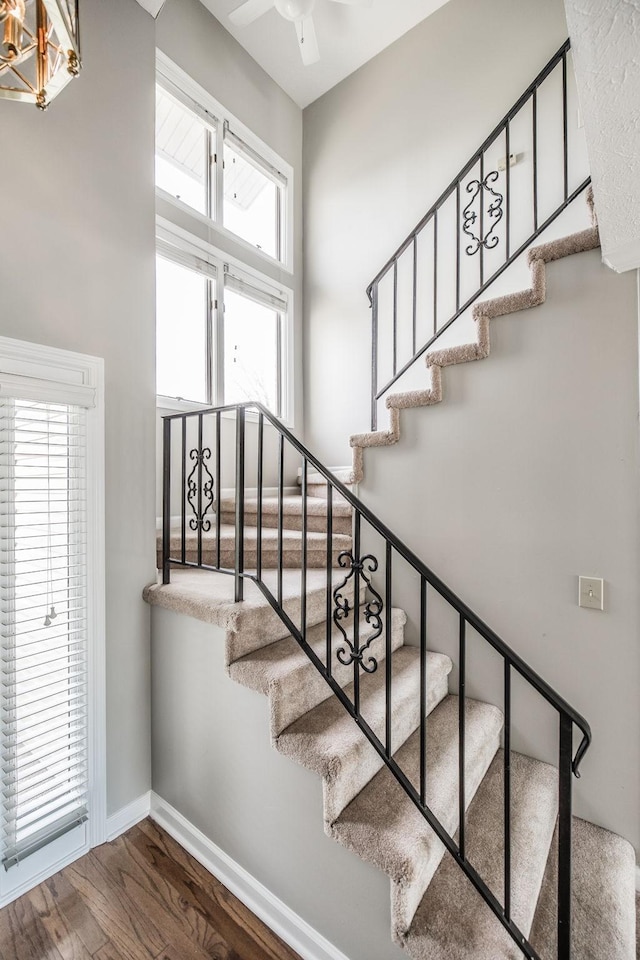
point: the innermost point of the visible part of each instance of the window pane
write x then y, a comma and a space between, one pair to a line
250, 202
250, 352
181, 152
181, 332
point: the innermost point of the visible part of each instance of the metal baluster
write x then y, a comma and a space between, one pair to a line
218, 490
395, 317
565, 133
564, 838
200, 519
374, 357
259, 503
481, 198
461, 744
329, 620
415, 292
507, 789
356, 615
435, 272
534, 110
166, 500
457, 236
239, 579
387, 662
507, 231
303, 584
423, 689
183, 519
280, 511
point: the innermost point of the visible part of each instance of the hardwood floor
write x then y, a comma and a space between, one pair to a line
141, 897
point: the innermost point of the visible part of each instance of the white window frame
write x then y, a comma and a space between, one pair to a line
195, 98
47, 373
219, 263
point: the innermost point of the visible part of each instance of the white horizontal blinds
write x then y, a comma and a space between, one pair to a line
43, 624
253, 156
259, 294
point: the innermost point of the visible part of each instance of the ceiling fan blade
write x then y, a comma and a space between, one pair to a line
247, 12
355, 3
307, 41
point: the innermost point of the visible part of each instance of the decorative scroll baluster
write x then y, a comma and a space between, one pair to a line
200, 486
358, 569
494, 211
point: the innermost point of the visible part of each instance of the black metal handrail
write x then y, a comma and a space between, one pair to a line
200, 503
487, 207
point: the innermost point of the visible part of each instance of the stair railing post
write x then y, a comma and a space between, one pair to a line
564, 837
166, 500
240, 451
374, 356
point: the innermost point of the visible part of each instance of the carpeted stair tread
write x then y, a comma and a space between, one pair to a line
343, 474
291, 539
328, 741
383, 825
284, 672
603, 902
209, 596
270, 558
453, 922
479, 349
292, 513
292, 506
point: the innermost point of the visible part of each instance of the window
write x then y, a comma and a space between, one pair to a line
51, 612
202, 161
218, 341
44, 627
184, 299
185, 147
224, 317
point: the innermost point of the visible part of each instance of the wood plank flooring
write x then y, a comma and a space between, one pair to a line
141, 897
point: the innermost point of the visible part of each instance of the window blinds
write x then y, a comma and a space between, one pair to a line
43, 624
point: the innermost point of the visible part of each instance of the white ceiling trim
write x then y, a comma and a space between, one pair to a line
152, 6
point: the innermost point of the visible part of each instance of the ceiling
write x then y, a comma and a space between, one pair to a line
348, 36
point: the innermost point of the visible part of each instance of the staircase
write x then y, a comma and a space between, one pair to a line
436, 912
484, 857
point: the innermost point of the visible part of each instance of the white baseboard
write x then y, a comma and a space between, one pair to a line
291, 928
128, 816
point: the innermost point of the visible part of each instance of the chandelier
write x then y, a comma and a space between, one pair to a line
39, 49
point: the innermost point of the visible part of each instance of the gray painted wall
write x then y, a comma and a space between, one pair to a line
213, 761
77, 272
378, 150
522, 479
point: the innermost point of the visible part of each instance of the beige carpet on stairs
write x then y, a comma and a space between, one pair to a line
436, 913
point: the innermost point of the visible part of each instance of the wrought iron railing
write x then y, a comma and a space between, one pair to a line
208, 451
487, 216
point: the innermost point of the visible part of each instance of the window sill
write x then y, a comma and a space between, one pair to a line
222, 232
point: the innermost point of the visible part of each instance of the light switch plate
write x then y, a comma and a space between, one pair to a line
591, 593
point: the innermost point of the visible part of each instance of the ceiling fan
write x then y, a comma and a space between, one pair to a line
299, 12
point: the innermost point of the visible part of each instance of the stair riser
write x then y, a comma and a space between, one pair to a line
291, 560
315, 524
359, 767
408, 850
406, 898
293, 696
320, 490
345, 772
241, 641
299, 690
